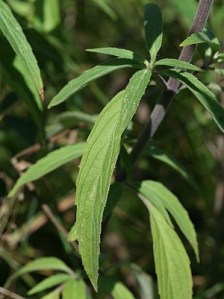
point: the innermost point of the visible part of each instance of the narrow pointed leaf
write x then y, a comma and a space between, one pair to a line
121, 53
55, 294
153, 29
74, 289
120, 291
171, 260
156, 193
14, 34
200, 38
92, 74
97, 166
45, 263
49, 163
49, 282
204, 95
177, 64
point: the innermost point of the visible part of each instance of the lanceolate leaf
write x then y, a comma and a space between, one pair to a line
204, 95
97, 166
45, 263
158, 195
121, 53
171, 260
200, 38
177, 64
14, 34
74, 289
49, 282
153, 29
49, 163
120, 292
96, 72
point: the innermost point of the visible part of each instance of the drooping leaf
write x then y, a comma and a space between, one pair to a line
74, 289
121, 53
97, 166
163, 156
171, 260
49, 163
120, 291
14, 34
203, 94
201, 38
159, 196
92, 74
45, 263
153, 29
177, 64
49, 282
145, 282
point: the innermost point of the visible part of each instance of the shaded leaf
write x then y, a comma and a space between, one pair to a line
145, 282
177, 64
171, 260
92, 74
158, 195
53, 295
45, 263
203, 94
161, 155
74, 289
51, 11
49, 163
14, 34
97, 166
153, 24
121, 53
49, 282
120, 291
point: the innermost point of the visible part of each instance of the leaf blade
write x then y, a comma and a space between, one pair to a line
74, 288
100, 156
153, 25
177, 64
92, 74
48, 163
14, 34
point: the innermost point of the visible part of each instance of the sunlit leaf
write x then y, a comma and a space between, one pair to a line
14, 34
74, 289
153, 30
171, 260
51, 14
49, 282
53, 295
201, 38
159, 196
49, 163
204, 95
121, 53
97, 166
92, 74
177, 64
120, 291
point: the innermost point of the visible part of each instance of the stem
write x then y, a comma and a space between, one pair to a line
172, 86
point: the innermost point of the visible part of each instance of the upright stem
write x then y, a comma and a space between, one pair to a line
172, 86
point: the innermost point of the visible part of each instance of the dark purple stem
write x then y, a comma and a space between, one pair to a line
172, 86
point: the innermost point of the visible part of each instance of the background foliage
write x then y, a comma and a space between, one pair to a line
34, 223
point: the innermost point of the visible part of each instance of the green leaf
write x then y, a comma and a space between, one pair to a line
106, 8
120, 292
14, 34
49, 163
51, 11
201, 38
74, 289
185, 12
203, 94
49, 282
164, 157
158, 195
97, 166
121, 53
55, 294
177, 64
171, 260
45, 263
153, 29
96, 72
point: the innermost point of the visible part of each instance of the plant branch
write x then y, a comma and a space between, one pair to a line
172, 86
